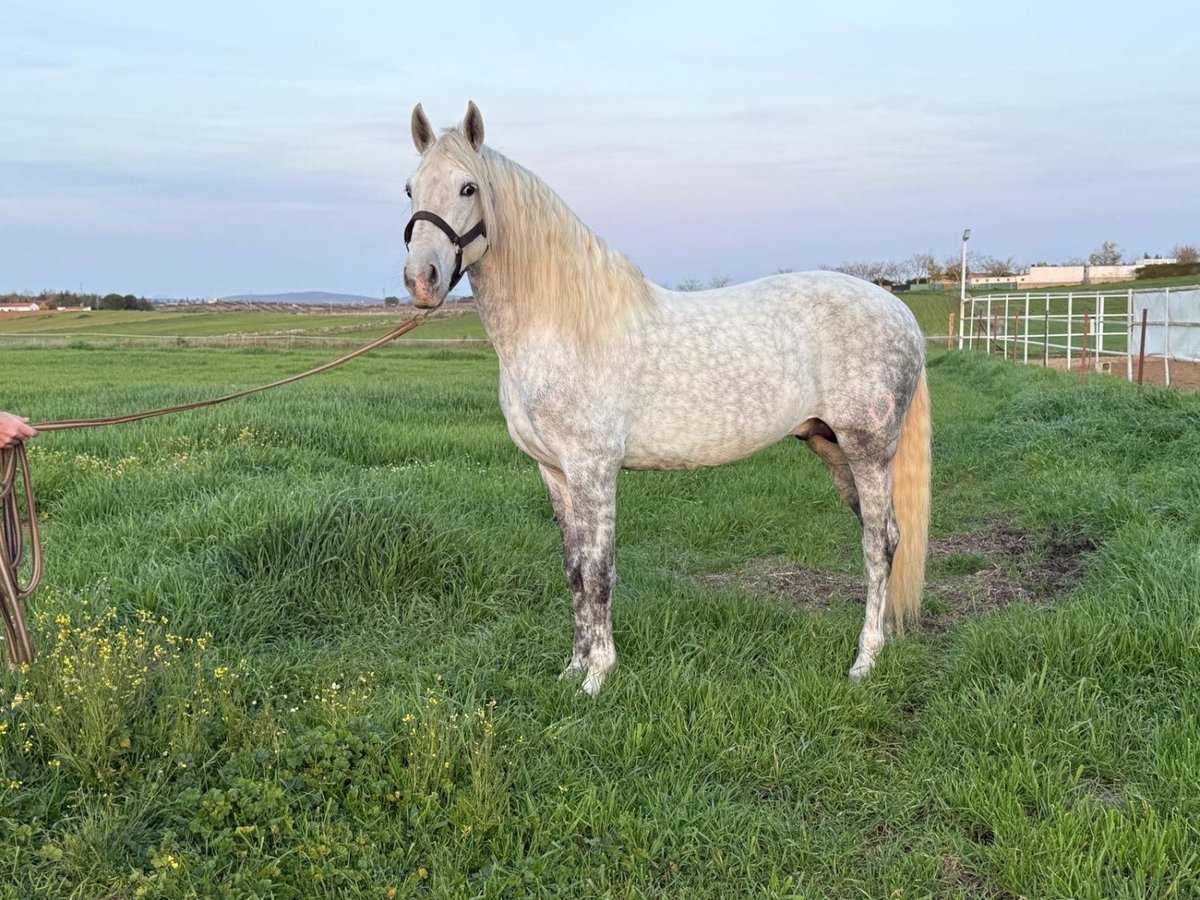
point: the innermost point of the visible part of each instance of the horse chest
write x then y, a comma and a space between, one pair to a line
520, 424
547, 415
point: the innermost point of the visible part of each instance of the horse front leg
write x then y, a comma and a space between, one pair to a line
560, 500
586, 507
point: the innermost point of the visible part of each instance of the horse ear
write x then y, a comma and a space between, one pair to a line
422, 131
473, 125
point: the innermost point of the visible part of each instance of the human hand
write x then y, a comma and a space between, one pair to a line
14, 429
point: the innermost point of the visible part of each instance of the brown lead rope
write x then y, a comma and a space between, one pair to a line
12, 546
15, 528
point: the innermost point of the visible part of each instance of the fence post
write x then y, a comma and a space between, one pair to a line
1070, 313
1004, 330
1167, 336
1016, 333
1142, 349
962, 321
1099, 323
950, 333
1046, 335
1083, 349
1025, 341
1129, 336
990, 325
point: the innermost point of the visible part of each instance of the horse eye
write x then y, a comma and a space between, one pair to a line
468, 190
408, 190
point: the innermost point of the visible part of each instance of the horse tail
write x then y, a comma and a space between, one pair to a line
910, 499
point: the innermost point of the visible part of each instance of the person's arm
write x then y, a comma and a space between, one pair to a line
13, 429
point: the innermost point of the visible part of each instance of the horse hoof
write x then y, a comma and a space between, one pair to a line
861, 671
574, 669
592, 683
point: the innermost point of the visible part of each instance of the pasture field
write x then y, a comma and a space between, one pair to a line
307, 645
168, 323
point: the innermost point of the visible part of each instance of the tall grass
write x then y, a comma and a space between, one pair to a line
308, 645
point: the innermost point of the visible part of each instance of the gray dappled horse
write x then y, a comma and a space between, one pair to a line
600, 370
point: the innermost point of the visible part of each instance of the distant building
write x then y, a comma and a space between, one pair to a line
1044, 276
21, 307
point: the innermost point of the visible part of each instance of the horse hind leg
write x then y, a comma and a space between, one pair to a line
881, 537
823, 442
865, 484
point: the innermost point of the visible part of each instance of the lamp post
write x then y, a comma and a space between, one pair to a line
962, 296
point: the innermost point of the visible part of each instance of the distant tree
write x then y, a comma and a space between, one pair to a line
109, 301
875, 271
783, 270
1107, 254
690, 284
864, 269
925, 266
1074, 261
391, 301
719, 281
897, 271
995, 266
1185, 253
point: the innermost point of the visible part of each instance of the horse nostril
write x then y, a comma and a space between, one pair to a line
433, 275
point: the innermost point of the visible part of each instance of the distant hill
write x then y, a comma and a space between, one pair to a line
313, 297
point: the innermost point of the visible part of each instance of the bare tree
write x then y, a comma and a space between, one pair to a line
719, 281
690, 284
783, 270
1185, 253
1107, 254
876, 271
992, 265
898, 271
952, 268
864, 269
925, 265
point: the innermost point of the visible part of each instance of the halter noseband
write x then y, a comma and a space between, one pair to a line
460, 242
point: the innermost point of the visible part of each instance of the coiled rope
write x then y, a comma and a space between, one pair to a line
19, 530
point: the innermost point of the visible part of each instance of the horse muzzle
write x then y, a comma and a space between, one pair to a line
425, 284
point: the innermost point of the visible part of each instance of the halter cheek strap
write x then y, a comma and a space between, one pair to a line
460, 242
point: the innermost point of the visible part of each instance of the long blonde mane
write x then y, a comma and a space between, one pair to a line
551, 268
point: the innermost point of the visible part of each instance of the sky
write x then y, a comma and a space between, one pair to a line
196, 150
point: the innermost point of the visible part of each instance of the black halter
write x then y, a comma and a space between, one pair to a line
460, 242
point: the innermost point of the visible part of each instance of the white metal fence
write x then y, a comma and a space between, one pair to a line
1105, 330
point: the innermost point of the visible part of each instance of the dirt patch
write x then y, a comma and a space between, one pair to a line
968, 575
1185, 375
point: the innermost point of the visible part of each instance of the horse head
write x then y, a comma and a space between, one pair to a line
447, 233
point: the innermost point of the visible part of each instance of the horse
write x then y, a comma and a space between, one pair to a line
601, 370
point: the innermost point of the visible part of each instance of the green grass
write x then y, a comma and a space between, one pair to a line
932, 310
307, 644
166, 323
